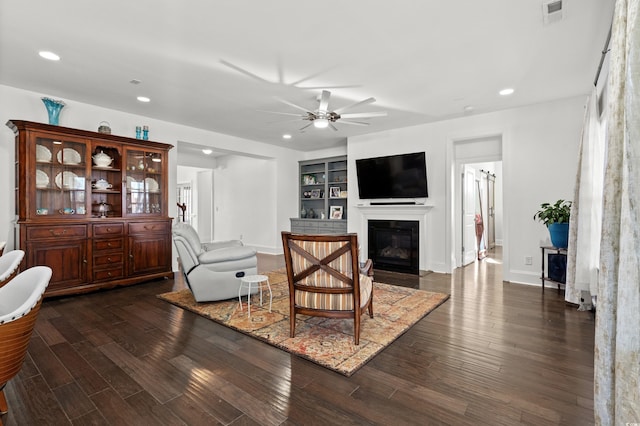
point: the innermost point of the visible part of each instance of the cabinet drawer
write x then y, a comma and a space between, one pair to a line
106, 229
107, 259
340, 226
146, 227
323, 226
108, 244
56, 231
109, 274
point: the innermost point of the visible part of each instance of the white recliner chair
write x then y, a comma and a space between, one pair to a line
213, 270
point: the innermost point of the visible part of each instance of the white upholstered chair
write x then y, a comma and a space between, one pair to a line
20, 301
9, 265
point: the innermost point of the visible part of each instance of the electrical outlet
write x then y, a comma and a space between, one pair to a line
528, 260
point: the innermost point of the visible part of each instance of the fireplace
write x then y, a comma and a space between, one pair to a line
394, 245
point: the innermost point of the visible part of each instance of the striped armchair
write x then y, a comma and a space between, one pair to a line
321, 278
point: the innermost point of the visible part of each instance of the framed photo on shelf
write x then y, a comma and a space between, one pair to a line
315, 193
334, 192
335, 212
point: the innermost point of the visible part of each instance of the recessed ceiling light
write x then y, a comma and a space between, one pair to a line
143, 99
286, 136
506, 92
207, 151
49, 55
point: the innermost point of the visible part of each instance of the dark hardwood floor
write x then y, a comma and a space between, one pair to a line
494, 354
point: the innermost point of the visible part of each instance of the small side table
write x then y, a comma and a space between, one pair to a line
247, 282
545, 276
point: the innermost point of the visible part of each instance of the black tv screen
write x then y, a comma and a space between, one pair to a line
395, 176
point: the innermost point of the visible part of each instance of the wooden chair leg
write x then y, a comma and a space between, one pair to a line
4, 407
292, 324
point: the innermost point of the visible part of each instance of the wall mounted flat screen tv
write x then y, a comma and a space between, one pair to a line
395, 176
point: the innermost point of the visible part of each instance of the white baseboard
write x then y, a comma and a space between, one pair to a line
524, 277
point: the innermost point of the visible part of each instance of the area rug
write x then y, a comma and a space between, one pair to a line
327, 342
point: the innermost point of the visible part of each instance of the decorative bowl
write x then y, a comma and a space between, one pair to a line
102, 160
102, 184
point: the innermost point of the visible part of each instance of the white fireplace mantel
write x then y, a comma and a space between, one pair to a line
417, 212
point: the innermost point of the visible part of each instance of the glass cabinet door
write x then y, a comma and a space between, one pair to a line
61, 178
106, 180
144, 180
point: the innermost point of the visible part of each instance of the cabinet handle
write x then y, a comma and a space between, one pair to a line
109, 273
84, 261
57, 234
108, 229
149, 227
109, 259
108, 244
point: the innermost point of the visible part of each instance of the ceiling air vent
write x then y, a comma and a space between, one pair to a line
552, 11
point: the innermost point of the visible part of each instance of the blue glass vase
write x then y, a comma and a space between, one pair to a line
53, 109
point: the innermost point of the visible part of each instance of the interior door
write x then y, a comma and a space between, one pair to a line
468, 215
491, 211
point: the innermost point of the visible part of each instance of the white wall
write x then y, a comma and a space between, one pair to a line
278, 207
539, 153
253, 217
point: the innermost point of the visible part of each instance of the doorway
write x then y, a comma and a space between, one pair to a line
480, 210
476, 198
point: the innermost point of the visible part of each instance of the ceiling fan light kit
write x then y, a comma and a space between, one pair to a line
320, 123
322, 117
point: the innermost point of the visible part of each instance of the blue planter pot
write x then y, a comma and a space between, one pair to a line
559, 233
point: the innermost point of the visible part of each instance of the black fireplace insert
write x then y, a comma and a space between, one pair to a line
394, 245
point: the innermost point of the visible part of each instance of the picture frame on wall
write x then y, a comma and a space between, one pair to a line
334, 192
335, 212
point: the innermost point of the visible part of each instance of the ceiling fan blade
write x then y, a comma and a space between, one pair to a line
297, 120
364, 114
310, 76
243, 71
364, 102
351, 86
293, 105
283, 113
324, 101
280, 70
333, 127
304, 127
356, 123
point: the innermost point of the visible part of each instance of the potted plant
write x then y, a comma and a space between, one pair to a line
556, 218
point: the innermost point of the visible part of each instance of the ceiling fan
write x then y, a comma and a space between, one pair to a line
322, 117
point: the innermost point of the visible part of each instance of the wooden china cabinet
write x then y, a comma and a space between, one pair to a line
92, 206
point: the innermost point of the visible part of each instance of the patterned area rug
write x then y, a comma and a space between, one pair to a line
327, 342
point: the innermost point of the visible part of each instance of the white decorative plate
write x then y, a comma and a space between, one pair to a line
42, 179
69, 155
133, 184
69, 180
43, 153
152, 185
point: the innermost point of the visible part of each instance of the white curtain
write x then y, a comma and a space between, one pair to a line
583, 254
617, 337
